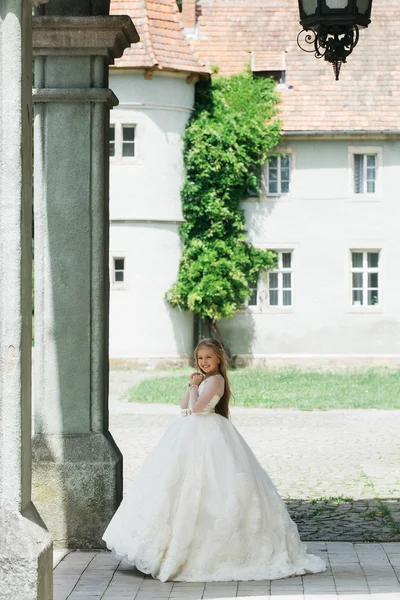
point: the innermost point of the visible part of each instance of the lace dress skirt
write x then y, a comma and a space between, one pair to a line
203, 509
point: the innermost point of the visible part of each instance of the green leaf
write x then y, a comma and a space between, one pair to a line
232, 132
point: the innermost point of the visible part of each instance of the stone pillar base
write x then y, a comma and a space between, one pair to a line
25, 557
77, 486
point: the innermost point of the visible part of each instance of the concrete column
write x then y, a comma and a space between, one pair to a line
25, 544
77, 472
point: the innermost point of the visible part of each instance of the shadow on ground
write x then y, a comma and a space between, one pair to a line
343, 519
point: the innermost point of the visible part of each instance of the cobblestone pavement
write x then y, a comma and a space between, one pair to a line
355, 572
338, 471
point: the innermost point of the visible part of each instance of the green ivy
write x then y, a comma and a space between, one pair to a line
232, 133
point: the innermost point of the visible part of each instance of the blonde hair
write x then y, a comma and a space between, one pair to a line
222, 408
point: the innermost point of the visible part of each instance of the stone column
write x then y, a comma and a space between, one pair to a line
77, 471
25, 544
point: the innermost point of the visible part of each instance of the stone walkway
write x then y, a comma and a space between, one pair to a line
356, 572
338, 471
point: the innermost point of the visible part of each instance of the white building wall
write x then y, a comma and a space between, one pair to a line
321, 220
145, 211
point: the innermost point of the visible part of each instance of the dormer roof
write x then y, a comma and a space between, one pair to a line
235, 34
163, 44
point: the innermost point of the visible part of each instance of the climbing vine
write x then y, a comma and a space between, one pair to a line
231, 134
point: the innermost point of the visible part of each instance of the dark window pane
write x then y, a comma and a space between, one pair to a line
358, 173
253, 298
373, 279
273, 163
119, 264
128, 134
373, 297
284, 187
112, 140
285, 162
287, 280
371, 160
119, 276
373, 260
286, 260
273, 298
273, 280
357, 280
371, 187
287, 298
357, 297
128, 149
357, 260
273, 187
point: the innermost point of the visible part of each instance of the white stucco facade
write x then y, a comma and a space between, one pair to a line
321, 221
145, 212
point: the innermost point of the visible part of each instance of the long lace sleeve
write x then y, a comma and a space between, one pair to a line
213, 387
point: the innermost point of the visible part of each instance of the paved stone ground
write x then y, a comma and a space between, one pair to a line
338, 471
355, 572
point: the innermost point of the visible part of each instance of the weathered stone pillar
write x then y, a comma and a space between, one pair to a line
77, 472
25, 544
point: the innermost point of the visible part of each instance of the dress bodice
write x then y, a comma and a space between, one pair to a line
216, 398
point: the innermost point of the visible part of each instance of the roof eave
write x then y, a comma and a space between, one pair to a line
343, 134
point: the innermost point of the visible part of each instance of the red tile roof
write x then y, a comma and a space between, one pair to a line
367, 96
163, 42
231, 34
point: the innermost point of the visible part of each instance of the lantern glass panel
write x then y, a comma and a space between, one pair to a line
337, 4
309, 7
363, 6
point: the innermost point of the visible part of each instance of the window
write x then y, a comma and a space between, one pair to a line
278, 175
253, 300
365, 166
280, 282
122, 142
128, 140
365, 277
365, 173
119, 270
112, 140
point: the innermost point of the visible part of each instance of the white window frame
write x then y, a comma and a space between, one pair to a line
263, 285
112, 126
254, 287
118, 143
285, 152
366, 150
118, 285
128, 142
280, 271
365, 270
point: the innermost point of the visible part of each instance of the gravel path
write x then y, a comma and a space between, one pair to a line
338, 471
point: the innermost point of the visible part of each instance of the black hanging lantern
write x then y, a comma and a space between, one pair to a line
331, 27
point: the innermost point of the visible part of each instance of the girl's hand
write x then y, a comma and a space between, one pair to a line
196, 378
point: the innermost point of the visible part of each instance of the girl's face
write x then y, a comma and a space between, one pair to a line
207, 360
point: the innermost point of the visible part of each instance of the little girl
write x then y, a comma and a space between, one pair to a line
202, 508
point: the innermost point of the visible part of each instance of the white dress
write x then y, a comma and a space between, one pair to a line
203, 509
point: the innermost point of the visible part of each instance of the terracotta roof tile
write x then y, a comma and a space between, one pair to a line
365, 98
163, 43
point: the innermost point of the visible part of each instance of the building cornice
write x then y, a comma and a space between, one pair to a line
343, 135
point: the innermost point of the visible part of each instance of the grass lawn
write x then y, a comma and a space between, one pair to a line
288, 388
